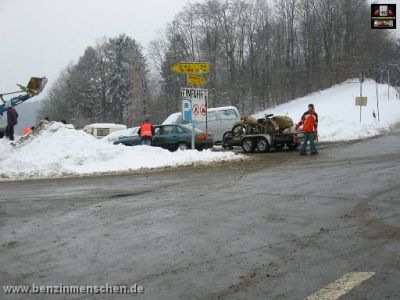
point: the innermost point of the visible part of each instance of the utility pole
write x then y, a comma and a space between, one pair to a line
361, 82
388, 82
377, 101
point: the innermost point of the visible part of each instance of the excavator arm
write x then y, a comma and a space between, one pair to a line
34, 88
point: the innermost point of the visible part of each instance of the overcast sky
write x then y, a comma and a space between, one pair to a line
39, 38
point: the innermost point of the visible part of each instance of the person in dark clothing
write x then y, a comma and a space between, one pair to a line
12, 120
146, 132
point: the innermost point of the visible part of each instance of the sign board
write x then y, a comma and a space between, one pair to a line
361, 101
191, 68
193, 79
187, 110
199, 100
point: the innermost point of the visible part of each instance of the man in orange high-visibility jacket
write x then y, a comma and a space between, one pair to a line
26, 131
310, 127
146, 132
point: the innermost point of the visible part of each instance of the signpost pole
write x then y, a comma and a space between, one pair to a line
195, 72
388, 83
193, 134
207, 116
377, 101
361, 82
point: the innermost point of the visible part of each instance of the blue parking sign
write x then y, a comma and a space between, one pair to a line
187, 110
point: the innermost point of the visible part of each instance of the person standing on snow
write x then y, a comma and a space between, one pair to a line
309, 121
12, 120
146, 132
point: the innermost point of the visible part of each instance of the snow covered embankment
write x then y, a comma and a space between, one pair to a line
60, 150
339, 117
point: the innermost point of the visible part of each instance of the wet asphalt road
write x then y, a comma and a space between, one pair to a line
278, 226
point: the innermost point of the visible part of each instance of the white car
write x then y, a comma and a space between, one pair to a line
100, 130
219, 119
112, 137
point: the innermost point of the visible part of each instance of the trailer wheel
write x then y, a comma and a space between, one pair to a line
262, 144
248, 145
225, 140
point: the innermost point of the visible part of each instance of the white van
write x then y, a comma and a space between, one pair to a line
220, 120
100, 130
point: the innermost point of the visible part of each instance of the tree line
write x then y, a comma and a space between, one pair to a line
107, 84
261, 53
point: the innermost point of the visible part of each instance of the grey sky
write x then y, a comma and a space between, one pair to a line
41, 37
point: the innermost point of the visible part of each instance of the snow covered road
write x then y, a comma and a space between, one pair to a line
278, 226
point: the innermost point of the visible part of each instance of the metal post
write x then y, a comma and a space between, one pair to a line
193, 139
377, 101
207, 118
360, 96
388, 84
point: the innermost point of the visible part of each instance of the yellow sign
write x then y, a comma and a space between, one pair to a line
191, 68
193, 79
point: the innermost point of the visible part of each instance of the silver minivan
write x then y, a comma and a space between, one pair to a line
220, 120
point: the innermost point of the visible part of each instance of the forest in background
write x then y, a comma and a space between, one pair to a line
261, 53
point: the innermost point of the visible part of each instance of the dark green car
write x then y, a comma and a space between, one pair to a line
172, 137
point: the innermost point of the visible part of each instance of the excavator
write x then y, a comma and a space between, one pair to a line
34, 87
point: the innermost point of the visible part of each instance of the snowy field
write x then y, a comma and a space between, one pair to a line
60, 150
339, 117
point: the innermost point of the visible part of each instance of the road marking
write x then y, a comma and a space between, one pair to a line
341, 286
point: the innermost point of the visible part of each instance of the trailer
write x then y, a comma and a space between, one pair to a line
262, 135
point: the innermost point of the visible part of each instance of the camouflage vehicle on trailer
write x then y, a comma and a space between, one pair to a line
263, 134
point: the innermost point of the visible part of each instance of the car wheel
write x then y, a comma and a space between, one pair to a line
262, 145
226, 140
226, 135
248, 145
182, 146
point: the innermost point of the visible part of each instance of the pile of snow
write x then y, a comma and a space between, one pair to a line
117, 134
339, 117
60, 150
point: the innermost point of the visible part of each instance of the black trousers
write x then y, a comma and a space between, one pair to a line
10, 132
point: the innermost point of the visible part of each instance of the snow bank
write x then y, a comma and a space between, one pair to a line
339, 117
61, 150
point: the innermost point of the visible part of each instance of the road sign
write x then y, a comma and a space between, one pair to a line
194, 93
199, 100
193, 79
191, 68
187, 110
203, 110
198, 106
361, 101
